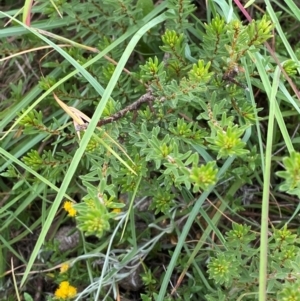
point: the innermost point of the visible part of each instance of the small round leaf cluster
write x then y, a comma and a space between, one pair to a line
92, 218
290, 67
290, 292
172, 41
200, 72
204, 176
162, 201
291, 174
228, 143
241, 234
223, 269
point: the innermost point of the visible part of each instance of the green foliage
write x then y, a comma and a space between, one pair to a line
174, 129
291, 175
96, 209
290, 67
234, 268
178, 14
228, 143
203, 176
27, 297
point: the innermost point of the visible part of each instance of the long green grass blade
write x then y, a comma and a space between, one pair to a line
266, 192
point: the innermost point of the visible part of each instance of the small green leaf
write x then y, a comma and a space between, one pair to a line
145, 5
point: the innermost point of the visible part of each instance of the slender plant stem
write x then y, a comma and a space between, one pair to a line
266, 191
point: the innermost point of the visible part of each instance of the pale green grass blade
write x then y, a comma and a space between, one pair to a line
6, 207
251, 96
203, 153
267, 86
266, 189
225, 10
27, 11
7, 245
288, 97
294, 9
281, 33
45, 25
131, 214
114, 153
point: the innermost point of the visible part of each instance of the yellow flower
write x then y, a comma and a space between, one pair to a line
68, 206
117, 210
65, 291
64, 267
72, 212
